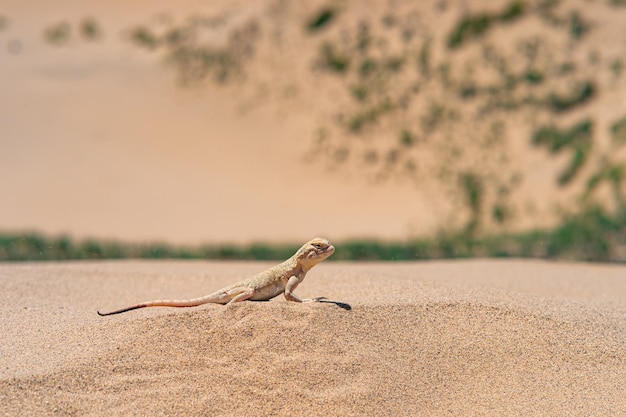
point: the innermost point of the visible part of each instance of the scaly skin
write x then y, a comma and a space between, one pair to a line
282, 278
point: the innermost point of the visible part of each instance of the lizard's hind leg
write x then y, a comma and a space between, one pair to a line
243, 294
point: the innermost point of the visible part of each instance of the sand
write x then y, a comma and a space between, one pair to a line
471, 338
189, 166
99, 140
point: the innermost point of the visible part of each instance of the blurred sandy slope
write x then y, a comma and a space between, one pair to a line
98, 140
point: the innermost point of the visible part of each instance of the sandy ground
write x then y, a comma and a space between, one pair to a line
468, 338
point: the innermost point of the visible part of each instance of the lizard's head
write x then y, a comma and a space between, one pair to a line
314, 252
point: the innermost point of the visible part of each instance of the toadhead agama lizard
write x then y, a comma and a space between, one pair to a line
282, 278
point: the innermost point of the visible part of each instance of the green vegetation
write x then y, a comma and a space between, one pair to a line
144, 37
35, 247
593, 235
367, 68
533, 77
556, 140
577, 26
578, 95
470, 27
193, 52
618, 131
61, 33
580, 155
475, 26
360, 92
424, 60
401, 93
614, 174
473, 190
321, 19
500, 213
90, 29
577, 138
407, 138
617, 66
58, 34
369, 116
333, 59
400, 90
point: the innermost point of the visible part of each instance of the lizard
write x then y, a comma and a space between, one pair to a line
280, 279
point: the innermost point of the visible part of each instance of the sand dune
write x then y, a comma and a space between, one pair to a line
99, 140
436, 338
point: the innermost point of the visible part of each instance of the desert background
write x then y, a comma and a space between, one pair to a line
240, 122
156, 150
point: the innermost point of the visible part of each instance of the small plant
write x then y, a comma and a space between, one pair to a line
533, 77
577, 26
389, 20
321, 19
193, 52
369, 116
58, 34
556, 139
579, 157
477, 25
577, 138
579, 95
500, 213
618, 131
90, 30
514, 11
144, 37
406, 138
468, 90
615, 175
423, 63
617, 66
586, 236
394, 64
473, 190
177, 37
367, 68
363, 38
469, 28
566, 68
359, 92
334, 60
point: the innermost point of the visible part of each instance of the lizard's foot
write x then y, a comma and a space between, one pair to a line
314, 300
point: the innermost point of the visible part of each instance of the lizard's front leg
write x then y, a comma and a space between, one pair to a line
293, 282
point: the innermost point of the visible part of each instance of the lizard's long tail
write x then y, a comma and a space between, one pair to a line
167, 303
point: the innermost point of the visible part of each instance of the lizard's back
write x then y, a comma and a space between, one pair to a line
267, 284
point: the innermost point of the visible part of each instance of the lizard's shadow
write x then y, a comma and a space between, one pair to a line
345, 306
339, 304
